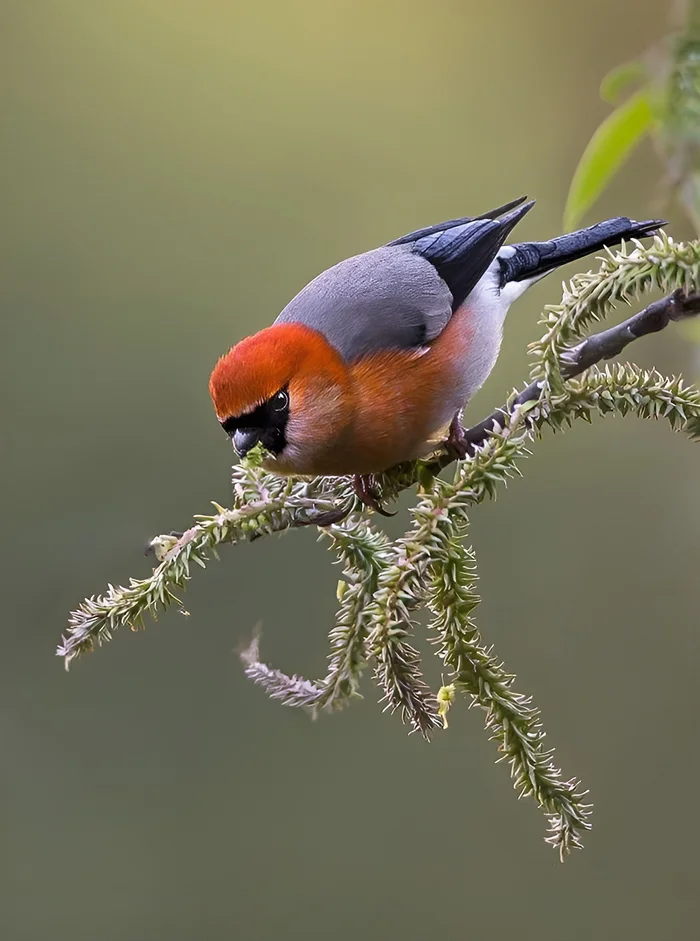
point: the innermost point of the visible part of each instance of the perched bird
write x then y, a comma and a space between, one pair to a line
373, 361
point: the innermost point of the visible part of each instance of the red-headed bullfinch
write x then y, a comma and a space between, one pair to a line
372, 362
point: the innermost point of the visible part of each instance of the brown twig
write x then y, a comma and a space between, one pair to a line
600, 346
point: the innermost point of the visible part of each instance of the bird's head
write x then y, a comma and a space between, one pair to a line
285, 387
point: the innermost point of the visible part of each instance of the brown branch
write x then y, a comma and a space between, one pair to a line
600, 346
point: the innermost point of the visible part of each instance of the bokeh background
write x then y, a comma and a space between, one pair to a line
173, 171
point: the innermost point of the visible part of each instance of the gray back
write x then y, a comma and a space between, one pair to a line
387, 298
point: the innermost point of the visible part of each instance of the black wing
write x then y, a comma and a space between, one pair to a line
462, 249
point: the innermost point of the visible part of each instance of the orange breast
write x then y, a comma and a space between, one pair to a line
403, 402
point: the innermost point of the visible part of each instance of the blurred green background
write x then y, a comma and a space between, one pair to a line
174, 170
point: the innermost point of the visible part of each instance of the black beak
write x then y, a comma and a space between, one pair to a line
244, 439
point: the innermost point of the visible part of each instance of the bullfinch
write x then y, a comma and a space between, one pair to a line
372, 362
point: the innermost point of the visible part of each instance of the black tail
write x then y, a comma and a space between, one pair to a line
536, 259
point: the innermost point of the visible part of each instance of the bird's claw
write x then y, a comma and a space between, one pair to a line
367, 494
456, 441
364, 487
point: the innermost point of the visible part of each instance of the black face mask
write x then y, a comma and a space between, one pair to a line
266, 424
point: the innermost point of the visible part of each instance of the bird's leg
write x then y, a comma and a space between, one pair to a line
456, 442
367, 494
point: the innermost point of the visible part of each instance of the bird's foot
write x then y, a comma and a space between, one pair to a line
366, 492
456, 442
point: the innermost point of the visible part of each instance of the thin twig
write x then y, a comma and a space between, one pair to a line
292, 691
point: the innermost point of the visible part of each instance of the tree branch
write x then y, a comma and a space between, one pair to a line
385, 581
594, 349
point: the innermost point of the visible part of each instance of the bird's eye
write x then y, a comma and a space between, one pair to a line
280, 401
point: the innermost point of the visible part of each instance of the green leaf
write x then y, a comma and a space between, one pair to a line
607, 150
619, 79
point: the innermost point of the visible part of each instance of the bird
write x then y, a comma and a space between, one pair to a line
373, 361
